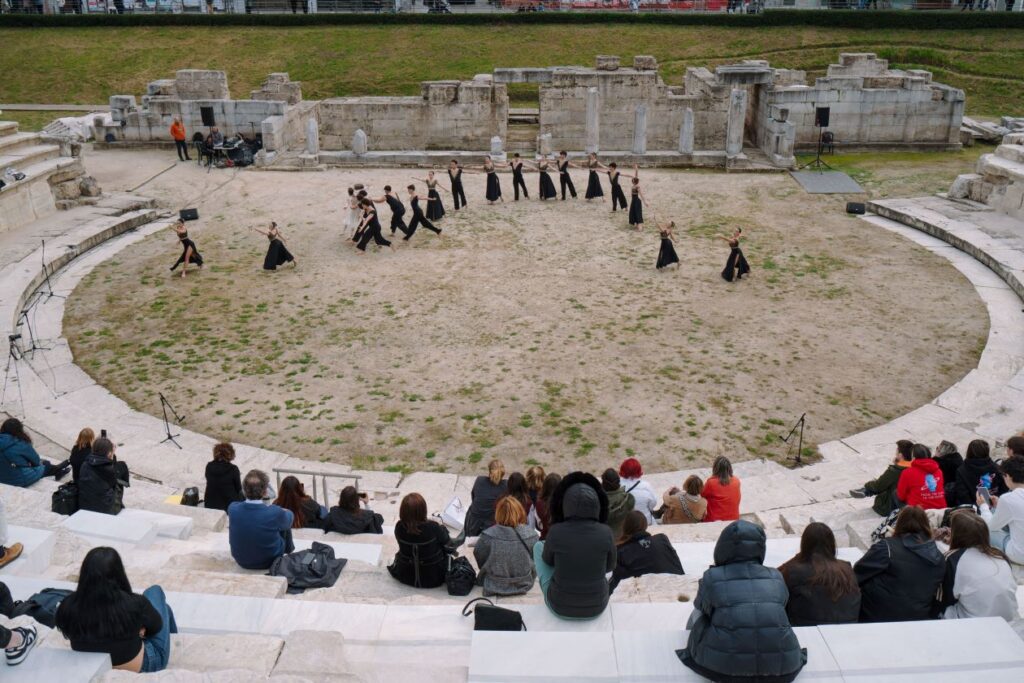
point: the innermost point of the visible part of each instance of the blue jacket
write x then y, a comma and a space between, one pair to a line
19, 462
256, 533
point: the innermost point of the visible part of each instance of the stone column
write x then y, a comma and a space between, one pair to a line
497, 150
737, 121
544, 143
312, 136
593, 120
640, 130
359, 142
686, 132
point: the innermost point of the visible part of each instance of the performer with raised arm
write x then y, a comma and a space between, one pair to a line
736, 266
435, 208
493, 193
667, 253
189, 253
417, 215
455, 177
593, 180
397, 210
636, 202
370, 227
618, 196
277, 253
517, 176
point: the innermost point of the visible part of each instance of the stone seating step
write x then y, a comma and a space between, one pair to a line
46, 665
1011, 152
698, 557
38, 549
367, 553
167, 525
8, 128
15, 141
24, 156
112, 527
997, 165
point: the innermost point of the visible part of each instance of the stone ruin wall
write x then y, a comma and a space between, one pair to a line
448, 115
871, 105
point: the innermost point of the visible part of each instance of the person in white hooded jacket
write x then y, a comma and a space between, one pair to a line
645, 500
1006, 521
978, 580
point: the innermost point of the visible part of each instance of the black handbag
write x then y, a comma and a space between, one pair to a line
190, 496
65, 499
461, 576
490, 617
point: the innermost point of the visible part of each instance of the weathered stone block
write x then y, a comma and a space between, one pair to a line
89, 187
66, 190
607, 62
645, 63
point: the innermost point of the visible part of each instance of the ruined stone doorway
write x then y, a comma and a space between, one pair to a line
523, 118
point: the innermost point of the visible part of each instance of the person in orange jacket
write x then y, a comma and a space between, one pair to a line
180, 139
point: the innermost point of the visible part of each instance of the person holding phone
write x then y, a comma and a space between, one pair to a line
1005, 514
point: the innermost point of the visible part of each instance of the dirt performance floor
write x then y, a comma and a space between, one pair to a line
534, 332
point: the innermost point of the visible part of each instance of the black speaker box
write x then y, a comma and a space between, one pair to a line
855, 207
821, 116
189, 214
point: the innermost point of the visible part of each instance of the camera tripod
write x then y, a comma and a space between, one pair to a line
14, 354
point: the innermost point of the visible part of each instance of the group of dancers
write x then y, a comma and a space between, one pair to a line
364, 225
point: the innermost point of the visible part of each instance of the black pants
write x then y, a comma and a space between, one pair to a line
517, 182
419, 219
182, 147
457, 194
618, 197
566, 182
372, 232
398, 223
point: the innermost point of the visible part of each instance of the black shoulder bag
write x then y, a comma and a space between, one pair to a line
489, 617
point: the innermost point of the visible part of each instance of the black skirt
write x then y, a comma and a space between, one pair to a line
277, 255
594, 186
493, 187
547, 186
736, 267
195, 257
435, 209
667, 254
636, 210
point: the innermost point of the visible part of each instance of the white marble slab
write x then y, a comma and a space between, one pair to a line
538, 618
111, 527
639, 616
504, 657
426, 624
35, 556
167, 525
650, 657
698, 557
359, 552
356, 622
213, 614
47, 665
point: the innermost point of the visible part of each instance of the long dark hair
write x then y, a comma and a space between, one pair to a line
968, 530
722, 469
12, 427
517, 489
291, 497
818, 549
99, 606
912, 521
633, 524
412, 512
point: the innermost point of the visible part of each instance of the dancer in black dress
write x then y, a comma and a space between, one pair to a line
546, 188
189, 253
517, 176
277, 253
418, 218
618, 196
564, 179
370, 227
493, 184
636, 202
397, 210
455, 176
667, 254
736, 267
593, 181
360, 226
435, 208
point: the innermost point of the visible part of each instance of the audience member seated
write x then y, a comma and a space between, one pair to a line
20, 465
899, 576
350, 517
306, 512
884, 488
1005, 514
579, 550
8, 553
223, 480
534, 483
15, 642
258, 533
949, 459
80, 451
102, 480
542, 510
722, 491
978, 470
640, 553
619, 502
644, 498
1015, 446
215, 138
822, 588
517, 489
104, 615
483, 497
978, 581
504, 552
739, 630
423, 546
686, 506
921, 485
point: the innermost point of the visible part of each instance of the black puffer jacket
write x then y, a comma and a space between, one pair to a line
645, 554
899, 578
740, 631
101, 485
359, 522
969, 476
580, 548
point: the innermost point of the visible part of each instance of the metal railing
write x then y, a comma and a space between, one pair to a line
323, 477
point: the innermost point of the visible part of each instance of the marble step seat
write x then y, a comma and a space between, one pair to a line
47, 665
16, 140
944, 650
698, 557
37, 552
168, 526
115, 528
22, 157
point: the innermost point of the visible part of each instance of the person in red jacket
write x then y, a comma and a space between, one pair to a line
180, 141
921, 484
722, 491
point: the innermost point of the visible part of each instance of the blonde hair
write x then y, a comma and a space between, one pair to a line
509, 512
496, 471
85, 438
535, 478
